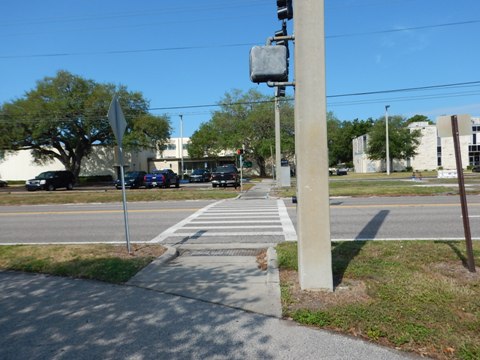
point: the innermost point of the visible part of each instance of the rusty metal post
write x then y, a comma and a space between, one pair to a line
463, 197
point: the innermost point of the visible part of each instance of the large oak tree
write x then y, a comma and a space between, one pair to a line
64, 116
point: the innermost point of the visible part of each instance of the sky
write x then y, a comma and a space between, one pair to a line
185, 55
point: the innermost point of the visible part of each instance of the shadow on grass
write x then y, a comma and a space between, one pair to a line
344, 252
454, 246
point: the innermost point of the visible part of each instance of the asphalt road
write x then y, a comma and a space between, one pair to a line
436, 217
91, 222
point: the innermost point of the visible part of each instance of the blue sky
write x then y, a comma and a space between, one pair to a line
186, 53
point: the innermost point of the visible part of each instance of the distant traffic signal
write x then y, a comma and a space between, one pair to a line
284, 9
240, 151
280, 91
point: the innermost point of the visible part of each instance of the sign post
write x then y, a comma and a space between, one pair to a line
464, 128
118, 124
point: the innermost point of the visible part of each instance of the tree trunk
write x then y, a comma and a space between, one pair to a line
261, 165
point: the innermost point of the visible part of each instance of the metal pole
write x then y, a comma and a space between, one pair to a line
313, 209
181, 145
241, 172
277, 143
273, 165
124, 198
463, 197
386, 141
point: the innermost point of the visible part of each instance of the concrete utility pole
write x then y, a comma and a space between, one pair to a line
387, 140
278, 150
313, 211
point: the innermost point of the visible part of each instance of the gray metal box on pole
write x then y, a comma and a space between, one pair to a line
268, 63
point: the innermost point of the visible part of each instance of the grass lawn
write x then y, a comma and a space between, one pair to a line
16, 197
411, 295
397, 184
110, 263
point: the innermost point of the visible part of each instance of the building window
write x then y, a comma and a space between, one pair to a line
171, 147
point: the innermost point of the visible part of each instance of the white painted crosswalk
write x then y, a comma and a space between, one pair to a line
236, 221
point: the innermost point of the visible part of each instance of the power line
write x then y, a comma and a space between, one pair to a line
113, 52
404, 29
344, 103
201, 47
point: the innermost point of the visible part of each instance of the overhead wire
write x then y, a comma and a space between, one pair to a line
458, 85
231, 45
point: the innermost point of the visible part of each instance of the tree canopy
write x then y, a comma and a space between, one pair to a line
245, 119
64, 116
340, 136
402, 141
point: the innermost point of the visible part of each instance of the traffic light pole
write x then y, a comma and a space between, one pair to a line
313, 210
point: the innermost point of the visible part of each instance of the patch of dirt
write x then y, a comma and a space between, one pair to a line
139, 250
348, 292
457, 271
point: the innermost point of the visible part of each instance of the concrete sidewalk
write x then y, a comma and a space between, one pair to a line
226, 276
48, 317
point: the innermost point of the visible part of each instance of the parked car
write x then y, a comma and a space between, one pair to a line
200, 175
3, 183
342, 171
225, 175
51, 180
132, 179
162, 178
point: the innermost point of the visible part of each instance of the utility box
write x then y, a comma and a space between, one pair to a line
285, 176
268, 63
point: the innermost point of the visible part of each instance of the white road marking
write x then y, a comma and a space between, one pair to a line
234, 216
171, 230
288, 228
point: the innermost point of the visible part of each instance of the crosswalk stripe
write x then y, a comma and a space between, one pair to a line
235, 216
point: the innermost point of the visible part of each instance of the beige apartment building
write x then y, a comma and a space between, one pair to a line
433, 152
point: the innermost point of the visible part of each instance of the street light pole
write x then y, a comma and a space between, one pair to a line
181, 145
386, 141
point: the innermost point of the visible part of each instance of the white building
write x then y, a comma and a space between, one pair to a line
432, 153
103, 160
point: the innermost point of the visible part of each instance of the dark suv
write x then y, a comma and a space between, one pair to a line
200, 175
51, 180
132, 179
225, 175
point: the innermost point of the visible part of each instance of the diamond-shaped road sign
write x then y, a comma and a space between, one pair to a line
117, 120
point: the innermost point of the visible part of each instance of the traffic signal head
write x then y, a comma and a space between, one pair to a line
240, 151
280, 91
282, 32
284, 9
